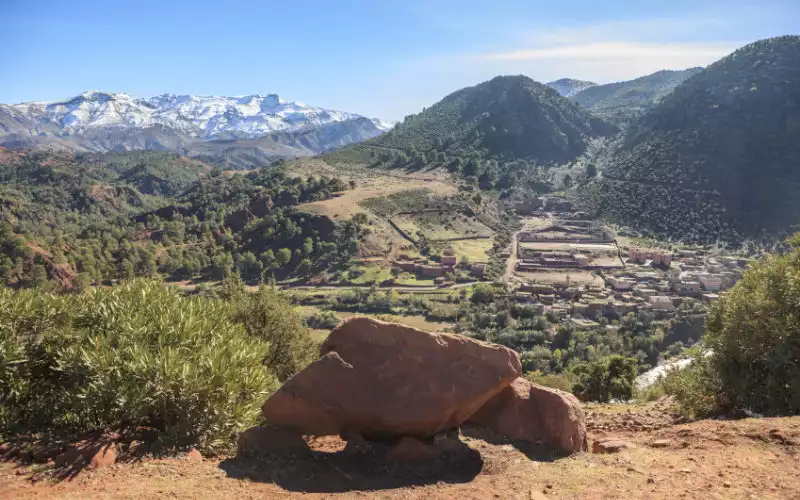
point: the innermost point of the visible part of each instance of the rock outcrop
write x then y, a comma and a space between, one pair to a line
383, 379
528, 412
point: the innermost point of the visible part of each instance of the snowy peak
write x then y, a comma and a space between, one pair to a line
568, 87
206, 117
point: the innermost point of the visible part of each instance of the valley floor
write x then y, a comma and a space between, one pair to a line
711, 459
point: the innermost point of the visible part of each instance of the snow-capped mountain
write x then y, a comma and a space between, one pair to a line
568, 87
197, 116
103, 121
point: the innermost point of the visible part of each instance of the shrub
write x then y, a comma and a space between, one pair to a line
696, 387
139, 354
754, 335
610, 378
322, 320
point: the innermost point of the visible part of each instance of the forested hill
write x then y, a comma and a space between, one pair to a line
506, 118
71, 220
717, 158
622, 102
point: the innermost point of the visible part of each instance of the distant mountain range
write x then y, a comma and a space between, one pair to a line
625, 101
234, 131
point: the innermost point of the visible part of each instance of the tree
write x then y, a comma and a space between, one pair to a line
613, 377
283, 257
591, 171
567, 182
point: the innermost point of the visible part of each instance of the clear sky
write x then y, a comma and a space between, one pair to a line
381, 58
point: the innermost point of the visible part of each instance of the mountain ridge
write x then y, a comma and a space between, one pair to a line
104, 121
715, 158
568, 87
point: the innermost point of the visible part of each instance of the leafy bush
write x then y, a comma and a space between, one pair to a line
323, 320
696, 387
139, 354
610, 378
754, 334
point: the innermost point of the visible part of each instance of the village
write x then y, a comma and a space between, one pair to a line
578, 270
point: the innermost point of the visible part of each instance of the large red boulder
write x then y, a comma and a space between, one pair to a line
528, 412
385, 379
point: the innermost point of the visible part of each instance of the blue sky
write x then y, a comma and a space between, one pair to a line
380, 58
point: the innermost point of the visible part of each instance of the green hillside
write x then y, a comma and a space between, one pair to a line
70, 220
622, 102
504, 119
717, 158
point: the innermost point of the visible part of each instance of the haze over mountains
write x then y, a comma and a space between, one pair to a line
269, 126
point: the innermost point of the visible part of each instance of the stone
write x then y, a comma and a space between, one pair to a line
384, 379
106, 456
610, 445
94, 454
194, 455
661, 443
266, 439
528, 412
410, 449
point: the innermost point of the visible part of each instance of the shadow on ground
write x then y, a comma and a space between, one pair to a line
533, 451
343, 471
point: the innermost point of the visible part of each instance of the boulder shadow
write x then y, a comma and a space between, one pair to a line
535, 451
344, 471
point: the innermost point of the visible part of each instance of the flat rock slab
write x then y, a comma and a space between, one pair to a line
384, 379
610, 445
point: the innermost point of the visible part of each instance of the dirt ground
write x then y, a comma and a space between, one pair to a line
712, 459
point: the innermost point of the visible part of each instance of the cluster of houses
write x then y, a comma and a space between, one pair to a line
567, 244
431, 269
652, 280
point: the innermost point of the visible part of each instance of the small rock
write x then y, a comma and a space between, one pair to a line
650, 480
410, 449
686, 471
661, 443
610, 445
726, 484
194, 455
106, 456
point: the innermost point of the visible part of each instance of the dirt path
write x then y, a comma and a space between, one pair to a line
708, 459
511, 263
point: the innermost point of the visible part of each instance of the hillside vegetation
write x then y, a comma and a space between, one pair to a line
74, 220
717, 158
196, 370
623, 102
499, 134
508, 117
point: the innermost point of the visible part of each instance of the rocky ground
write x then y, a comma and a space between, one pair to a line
652, 455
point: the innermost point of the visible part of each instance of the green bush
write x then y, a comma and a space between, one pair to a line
696, 387
610, 378
139, 354
754, 334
